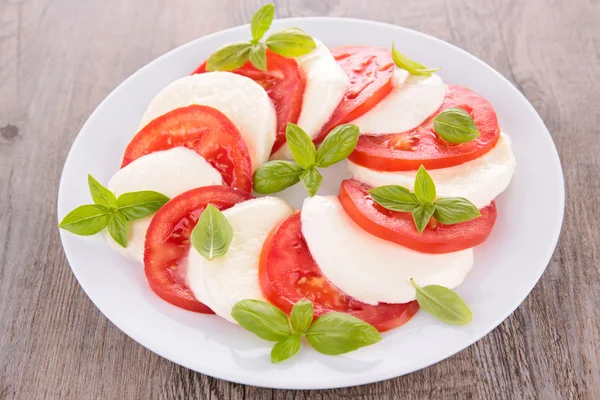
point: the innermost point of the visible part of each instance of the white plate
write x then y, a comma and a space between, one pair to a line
506, 268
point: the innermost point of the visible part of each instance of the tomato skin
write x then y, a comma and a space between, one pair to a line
284, 81
167, 241
399, 227
370, 70
407, 151
203, 129
288, 273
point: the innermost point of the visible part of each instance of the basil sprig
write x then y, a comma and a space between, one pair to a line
333, 333
413, 67
276, 176
111, 212
423, 204
455, 125
290, 42
443, 303
212, 234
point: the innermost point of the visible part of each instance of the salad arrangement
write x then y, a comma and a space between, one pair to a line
426, 160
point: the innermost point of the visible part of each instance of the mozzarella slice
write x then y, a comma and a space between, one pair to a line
412, 100
326, 85
368, 268
241, 99
480, 180
170, 172
224, 281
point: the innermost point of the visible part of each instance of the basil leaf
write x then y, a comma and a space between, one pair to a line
443, 303
455, 125
338, 145
261, 21
258, 56
261, 318
118, 228
453, 210
291, 42
229, 57
422, 215
285, 349
212, 234
395, 198
86, 220
311, 180
101, 195
302, 147
424, 186
275, 176
136, 205
410, 65
337, 333
301, 316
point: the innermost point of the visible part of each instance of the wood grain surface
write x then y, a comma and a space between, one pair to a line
60, 58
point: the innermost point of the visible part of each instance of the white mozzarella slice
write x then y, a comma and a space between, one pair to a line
368, 268
412, 100
241, 99
224, 281
480, 180
326, 85
170, 172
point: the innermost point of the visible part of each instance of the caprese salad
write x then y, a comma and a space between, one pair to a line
426, 160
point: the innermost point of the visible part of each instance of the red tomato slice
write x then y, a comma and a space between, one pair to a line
204, 130
370, 70
407, 151
288, 273
168, 242
399, 227
284, 82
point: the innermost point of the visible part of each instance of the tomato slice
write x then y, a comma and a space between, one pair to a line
370, 70
399, 227
168, 242
407, 151
284, 82
202, 129
288, 273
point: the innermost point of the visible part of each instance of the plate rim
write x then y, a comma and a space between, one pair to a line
353, 380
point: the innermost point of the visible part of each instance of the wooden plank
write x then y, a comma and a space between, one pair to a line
59, 59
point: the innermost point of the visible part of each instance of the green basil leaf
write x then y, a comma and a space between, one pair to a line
337, 333
311, 180
258, 56
410, 65
263, 319
285, 349
275, 176
395, 198
338, 145
212, 234
229, 57
424, 186
301, 316
261, 21
453, 210
118, 228
136, 205
443, 303
455, 125
302, 147
422, 215
101, 195
86, 220
291, 42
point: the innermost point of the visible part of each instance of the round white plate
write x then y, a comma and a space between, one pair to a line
506, 267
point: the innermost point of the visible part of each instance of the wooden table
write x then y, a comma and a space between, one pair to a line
60, 58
